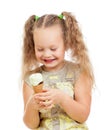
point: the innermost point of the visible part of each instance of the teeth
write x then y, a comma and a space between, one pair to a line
49, 60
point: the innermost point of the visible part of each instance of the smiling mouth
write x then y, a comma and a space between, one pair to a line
49, 60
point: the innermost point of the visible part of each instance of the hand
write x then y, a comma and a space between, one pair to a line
49, 97
34, 103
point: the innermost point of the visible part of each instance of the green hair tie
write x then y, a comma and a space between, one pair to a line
61, 16
36, 18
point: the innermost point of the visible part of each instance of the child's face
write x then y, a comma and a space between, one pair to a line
49, 47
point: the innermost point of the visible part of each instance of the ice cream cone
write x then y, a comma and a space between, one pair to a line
38, 88
36, 81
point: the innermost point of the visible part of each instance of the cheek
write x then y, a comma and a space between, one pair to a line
38, 55
60, 55
61, 52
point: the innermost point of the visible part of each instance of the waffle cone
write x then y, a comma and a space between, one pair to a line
38, 88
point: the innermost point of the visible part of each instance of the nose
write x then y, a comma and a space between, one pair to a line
47, 53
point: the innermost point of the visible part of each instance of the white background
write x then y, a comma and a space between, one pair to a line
92, 17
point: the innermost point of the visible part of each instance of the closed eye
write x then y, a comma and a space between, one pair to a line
53, 49
39, 49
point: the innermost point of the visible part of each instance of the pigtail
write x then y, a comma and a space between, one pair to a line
28, 46
74, 36
76, 44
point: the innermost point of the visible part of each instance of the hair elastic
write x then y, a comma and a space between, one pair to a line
36, 18
61, 16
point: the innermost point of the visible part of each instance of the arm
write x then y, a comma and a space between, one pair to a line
78, 108
31, 114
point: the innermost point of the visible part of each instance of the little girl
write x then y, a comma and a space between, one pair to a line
66, 96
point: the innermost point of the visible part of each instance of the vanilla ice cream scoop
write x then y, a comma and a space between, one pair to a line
36, 81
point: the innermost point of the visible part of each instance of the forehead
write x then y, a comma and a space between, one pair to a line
48, 34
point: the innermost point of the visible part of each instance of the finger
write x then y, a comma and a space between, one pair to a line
46, 103
49, 106
41, 94
43, 98
44, 90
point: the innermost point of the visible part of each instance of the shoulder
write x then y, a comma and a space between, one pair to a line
74, 69
71, 65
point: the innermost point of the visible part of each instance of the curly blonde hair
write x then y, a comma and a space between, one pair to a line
72, 37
